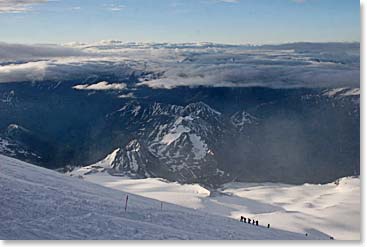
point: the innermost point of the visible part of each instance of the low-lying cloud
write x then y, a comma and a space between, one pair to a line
101, 86
173, 65
31, 71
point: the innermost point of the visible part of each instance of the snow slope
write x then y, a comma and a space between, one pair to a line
333, 209
320, 210
37, 203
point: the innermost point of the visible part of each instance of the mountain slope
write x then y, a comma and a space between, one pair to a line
37, 203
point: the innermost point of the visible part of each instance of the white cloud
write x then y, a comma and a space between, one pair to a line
161, 65
103, 85
127, 96
31, 71
18, 6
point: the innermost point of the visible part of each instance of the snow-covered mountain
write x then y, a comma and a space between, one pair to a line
342, 92
197, 143
191, 135
18, 141
173, 141
37, 203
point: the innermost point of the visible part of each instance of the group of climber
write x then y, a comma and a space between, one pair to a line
250, 221
256, 223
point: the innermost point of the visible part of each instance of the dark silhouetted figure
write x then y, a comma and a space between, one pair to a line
268, 225
306, 234
127, 199
249, 221
331, 238
257, 222
253, 222
242, 219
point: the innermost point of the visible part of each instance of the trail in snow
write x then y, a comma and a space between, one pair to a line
36, 203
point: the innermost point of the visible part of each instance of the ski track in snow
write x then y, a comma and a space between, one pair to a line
37, 203
321, 210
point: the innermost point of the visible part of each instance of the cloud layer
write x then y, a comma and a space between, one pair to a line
172, 65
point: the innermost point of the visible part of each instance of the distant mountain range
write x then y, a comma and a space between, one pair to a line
202, 135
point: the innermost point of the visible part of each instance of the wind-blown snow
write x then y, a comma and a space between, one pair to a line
37, 203
319, 210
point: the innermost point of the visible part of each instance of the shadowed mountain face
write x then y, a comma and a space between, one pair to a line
204, 135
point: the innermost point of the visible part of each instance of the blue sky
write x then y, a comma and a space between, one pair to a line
223, 21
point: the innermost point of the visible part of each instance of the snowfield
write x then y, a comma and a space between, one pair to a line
319, 210
37, 203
